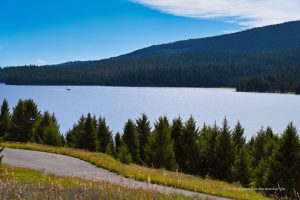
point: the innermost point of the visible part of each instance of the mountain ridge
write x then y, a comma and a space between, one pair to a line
210, 43
254, 64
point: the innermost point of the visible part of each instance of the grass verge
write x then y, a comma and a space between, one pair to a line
20, 183
158, 176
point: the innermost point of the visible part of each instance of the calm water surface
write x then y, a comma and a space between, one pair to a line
118, 104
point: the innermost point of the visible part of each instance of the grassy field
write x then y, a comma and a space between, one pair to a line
159, 176
19, 183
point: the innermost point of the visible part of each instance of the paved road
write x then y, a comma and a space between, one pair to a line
73, 167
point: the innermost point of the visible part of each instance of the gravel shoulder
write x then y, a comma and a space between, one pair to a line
72, 167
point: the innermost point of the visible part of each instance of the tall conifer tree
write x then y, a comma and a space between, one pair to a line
176, 134
143, 129
24, 118
241, 167
238, 138
105, 137
4, 118
89, 138
130, 138
160, 149
118, 142
224, 153
284, 164
190, 147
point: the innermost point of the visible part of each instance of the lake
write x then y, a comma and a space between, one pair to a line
117, 104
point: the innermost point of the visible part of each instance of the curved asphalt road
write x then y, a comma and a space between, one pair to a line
73, 167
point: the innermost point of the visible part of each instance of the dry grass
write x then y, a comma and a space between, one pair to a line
159, 176
19, 183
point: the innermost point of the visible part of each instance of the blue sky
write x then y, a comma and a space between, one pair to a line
46, 32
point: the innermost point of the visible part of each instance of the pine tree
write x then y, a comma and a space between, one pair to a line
4, 118
257, 148
88, 136
118, 142
241, 168
17, 123
224, 153
124, 155
54, 120
23, 120
105, 137
71, 138
176, 134
284, 164
32, 113
143, 129
160, 150
43, 123
207, 157
52, 135
77, 134
259, 171
190, 147
63, 140
238, 138
130, 138
47, 130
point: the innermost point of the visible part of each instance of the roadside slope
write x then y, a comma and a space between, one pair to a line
157, 176
73, 167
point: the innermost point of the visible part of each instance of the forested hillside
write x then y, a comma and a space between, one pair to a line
269, 38
263, 59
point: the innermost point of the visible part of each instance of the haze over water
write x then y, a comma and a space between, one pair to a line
118, 104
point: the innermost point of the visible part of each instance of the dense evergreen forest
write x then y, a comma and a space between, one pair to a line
267, 160
263, 59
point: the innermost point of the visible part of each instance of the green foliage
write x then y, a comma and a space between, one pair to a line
89, 135
190, 147
47, 130
284, 164
130, 138
118, 143
224, 153
176, 135
23, 120
26, 124
286, 80
160, 149
238, 138
4, 118
266, 160
207, 161
257, 148
84, 134
52, 135
106, 144
124, 155
144, 130
241, 168
297, 89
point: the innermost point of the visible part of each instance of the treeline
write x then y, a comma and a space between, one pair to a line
267, 160
189, 69
283, 80
27, 124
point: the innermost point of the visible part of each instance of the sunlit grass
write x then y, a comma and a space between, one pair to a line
159, 176
20, 183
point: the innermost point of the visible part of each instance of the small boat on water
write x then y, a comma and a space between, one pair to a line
68, 89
